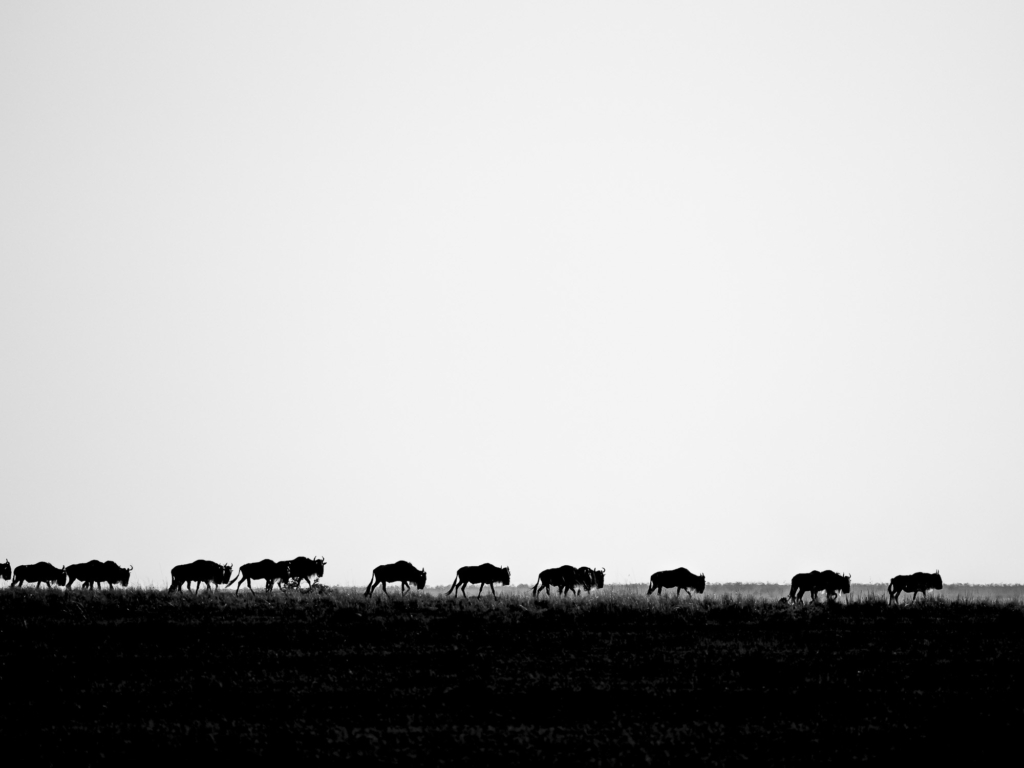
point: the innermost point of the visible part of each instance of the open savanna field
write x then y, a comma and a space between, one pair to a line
612, 678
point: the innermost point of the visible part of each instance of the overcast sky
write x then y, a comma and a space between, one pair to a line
731, 286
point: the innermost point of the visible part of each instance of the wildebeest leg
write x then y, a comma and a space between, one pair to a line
493, 593
678, 589
481, 591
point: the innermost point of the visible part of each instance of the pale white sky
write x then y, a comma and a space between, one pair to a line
730, 286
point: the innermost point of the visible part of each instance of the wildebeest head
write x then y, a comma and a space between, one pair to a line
5, 570
225, 573
846, 583
62, 577
935, 579
700, 584
421, 579
506, 576
318, 565
125, 574
599, 578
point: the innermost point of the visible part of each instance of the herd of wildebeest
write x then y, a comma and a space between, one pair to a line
565, 579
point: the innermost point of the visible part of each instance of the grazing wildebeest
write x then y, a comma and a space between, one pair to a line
592, 579
402, 571
564, 577
38, 573
264, 569
680, 578
95, 572
5, 570
816, 581
917, 582
201, 572
483, 575
303, 568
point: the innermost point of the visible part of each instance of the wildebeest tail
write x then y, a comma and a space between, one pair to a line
453, 586
535, 586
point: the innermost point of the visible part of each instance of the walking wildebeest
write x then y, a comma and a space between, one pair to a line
565, 578
264, 569
201, 572
680, 578
5, 570
402, 571
95, 572
816, 581
918, 582
593, 579
38, 573
303, 568
483, 575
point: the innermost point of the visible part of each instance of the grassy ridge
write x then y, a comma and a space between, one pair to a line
615, 678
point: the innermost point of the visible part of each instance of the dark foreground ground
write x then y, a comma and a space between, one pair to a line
612, 679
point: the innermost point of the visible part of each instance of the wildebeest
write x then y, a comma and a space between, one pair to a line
38, 573
593, 579
5, 570
201, 572
303, 568
816, 581
565, 578
264, 569
917, 582
680, 578
483, 575
402, 571
95, 572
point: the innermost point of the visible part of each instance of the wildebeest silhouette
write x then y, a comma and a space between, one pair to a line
264, 569
593, 578
917, 582
565, 577
680, 578
96, 572
483, 575
816, 581
5, 570
303, 568
402, 571
39, 573
201, 572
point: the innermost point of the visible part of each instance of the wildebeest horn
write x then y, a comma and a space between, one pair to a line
131, 567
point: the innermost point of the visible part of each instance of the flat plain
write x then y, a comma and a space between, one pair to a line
610, 678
